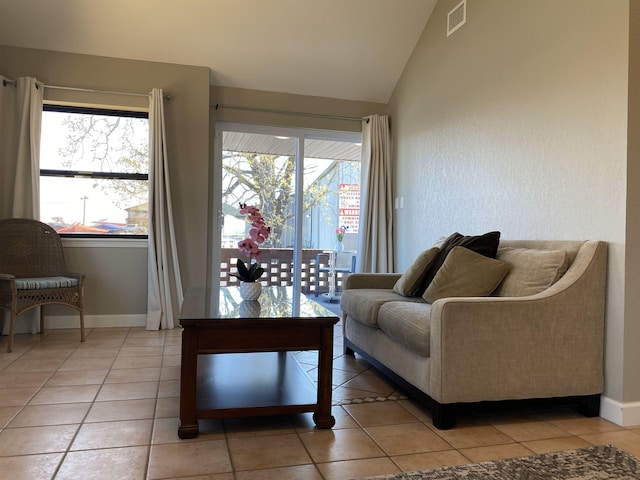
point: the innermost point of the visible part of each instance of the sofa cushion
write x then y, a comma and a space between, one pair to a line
410, 282
362, 304
408, 323
530, 270
486, 245
466, 274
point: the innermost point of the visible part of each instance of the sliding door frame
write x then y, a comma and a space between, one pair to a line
300, 135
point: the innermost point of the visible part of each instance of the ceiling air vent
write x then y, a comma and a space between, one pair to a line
457, 17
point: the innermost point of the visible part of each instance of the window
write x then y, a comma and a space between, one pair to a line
94, 171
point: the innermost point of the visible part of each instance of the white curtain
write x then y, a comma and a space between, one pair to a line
20, 125
165, 293
375, 252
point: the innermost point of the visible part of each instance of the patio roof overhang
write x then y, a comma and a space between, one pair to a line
272, 145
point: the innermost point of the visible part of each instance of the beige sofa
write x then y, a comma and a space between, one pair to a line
462, 350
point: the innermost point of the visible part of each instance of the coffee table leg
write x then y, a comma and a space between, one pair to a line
322, 417
186, 431
188, 382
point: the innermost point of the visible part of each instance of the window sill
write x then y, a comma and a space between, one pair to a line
105, 242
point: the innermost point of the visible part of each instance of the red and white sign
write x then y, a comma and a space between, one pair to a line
349, 206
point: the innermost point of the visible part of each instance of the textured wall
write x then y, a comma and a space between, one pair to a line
291, 103
187, 115
190, 143
518, 122
631, 390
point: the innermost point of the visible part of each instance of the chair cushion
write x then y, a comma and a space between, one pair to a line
408, 323
466, 274
45, 283
410, 282
530, 270
363, 304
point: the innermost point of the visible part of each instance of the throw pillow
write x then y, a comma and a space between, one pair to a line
410, 282
466, 273
530, 270
486, 245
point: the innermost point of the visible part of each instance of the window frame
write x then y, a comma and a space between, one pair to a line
113, 112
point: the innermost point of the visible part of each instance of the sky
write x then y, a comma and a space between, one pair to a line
73, 199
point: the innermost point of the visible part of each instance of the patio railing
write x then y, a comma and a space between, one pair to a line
278, 263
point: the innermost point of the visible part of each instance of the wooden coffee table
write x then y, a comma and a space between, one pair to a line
237, 360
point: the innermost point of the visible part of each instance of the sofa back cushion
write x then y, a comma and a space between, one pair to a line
530, 270
486, 245
466, 274
411, 281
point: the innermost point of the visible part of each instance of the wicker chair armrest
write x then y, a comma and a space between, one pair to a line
79, 276
7, 284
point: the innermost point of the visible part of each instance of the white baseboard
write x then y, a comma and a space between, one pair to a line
623, 414
95, 321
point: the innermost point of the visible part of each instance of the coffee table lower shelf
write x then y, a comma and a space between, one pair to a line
251, 384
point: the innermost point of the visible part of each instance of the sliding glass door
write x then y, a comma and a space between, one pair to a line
306, 185
331, 211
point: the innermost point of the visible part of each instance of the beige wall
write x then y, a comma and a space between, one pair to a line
187, 115
256, 101
116, 276
518, 122
631, 386
290, 103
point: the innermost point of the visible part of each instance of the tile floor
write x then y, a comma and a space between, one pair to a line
108, 409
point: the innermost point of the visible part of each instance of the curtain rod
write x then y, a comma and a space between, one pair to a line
6, 82
218, 106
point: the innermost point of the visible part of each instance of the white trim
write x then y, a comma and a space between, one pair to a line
105, 242
623, 414
95, 321
462, 4
103, 105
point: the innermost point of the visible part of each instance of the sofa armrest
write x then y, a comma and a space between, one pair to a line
548, 344
371, 280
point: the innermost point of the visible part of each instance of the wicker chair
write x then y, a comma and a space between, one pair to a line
33, 272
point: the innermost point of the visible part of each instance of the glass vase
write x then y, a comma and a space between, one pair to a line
250, 309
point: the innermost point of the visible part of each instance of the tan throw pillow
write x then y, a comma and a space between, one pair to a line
465, 273
531, 271
486, 244
409, 283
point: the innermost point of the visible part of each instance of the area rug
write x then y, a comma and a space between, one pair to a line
602, 462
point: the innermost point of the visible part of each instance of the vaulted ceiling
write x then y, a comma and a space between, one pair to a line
349, 49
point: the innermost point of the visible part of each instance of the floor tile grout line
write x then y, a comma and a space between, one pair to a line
83, 422
38, 389
226, 432
155, 409
304, 445
25, 404
226, 441
381, 447
298, 431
